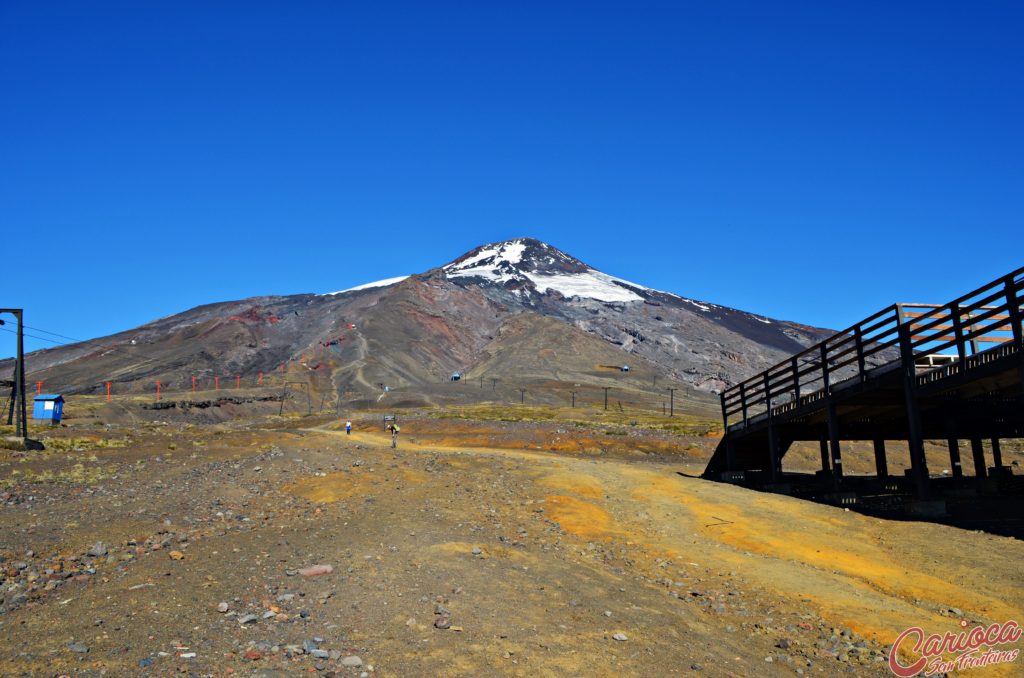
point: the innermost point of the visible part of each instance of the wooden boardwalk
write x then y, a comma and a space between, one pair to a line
911, 372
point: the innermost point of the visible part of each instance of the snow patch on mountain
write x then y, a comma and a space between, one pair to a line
591, 285
379, 283
489, 257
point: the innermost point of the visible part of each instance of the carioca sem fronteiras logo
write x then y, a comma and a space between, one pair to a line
965, 646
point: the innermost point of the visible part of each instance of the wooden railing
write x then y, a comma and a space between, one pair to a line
938, 340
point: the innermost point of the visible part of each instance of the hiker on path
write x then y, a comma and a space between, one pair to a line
394, 435
348, 428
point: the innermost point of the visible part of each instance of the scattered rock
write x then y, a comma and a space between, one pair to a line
78, 647
98, 549
248, 619
176, 555
351, 660
620, 637
442, 623
316, 570
222, 607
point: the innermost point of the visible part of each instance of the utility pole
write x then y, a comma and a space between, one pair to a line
18, 384
494, 384
522, 395
606, 396
671, 401
573, 399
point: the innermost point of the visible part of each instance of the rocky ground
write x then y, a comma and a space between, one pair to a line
272, 546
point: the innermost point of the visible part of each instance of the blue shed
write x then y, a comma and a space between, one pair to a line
48, 406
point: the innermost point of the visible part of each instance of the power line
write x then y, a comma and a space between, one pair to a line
34, 336
56, 334
140, 360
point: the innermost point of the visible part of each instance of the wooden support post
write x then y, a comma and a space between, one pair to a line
837, 453
958, 334
158, 389
978, 452
773, 436
1016, 326
261, 378
193, 383
743, 401
773, 453
997, 457
954, 458
823, 448
881, 465
915, 439
858, 338
796, 380
216, 383
238, 381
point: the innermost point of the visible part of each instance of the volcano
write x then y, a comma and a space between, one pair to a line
515, 312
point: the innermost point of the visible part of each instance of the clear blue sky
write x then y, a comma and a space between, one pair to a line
810, 161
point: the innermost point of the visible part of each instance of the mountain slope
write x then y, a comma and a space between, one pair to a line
519, 309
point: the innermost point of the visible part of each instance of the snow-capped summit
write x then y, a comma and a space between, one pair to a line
527, 264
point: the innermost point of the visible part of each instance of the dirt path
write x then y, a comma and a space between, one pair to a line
874, 576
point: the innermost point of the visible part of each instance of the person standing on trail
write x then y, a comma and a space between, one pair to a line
394, 435
348, 428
